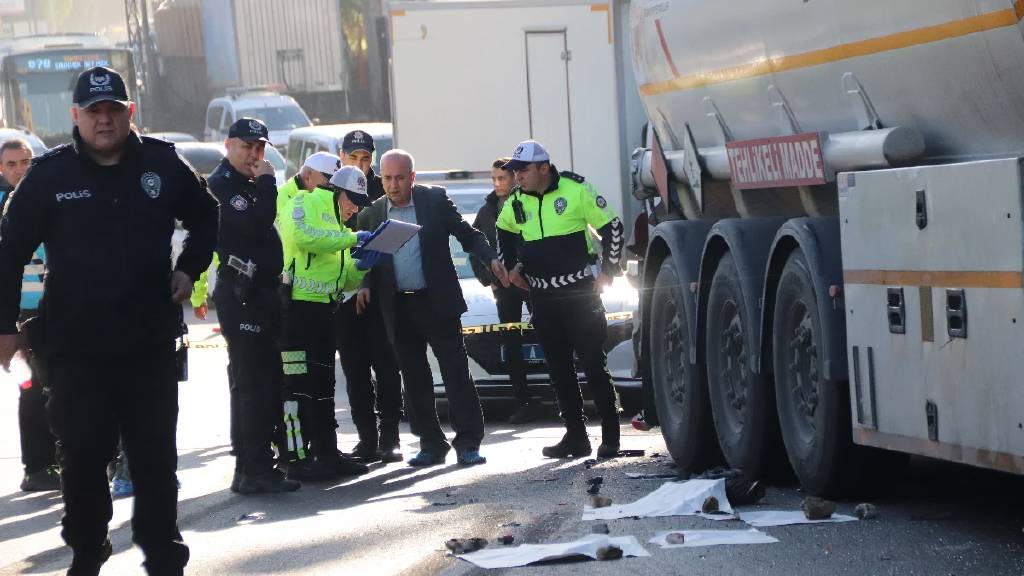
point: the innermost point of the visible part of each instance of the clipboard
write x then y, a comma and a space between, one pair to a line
389, 237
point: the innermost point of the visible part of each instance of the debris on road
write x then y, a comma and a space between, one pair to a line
590, 463
600, 528
671, 499
506, 539
465, 545
631, 453
511, 525
817, 508
595, 484
675, 538
695, 538
768, 518
865, 511
648, 475
710, 505
251, 517
610, 552
599, 501
525, 554
443, 503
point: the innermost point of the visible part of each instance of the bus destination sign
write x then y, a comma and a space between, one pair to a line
57, 62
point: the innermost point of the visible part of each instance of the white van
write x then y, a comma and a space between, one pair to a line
281, 113
305, 141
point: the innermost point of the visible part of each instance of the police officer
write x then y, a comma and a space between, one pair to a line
551, 213
251, 258
315, 171
375, 398
38, 449
104, 206
321, 267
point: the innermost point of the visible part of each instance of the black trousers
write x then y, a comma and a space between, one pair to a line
38, 445
131, 391
510, 309
416, 325
308, 351
571, 320
363, 346
251, 331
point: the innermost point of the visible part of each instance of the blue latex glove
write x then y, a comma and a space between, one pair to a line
368, 259
364, 237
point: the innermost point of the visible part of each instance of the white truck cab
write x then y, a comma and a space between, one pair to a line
281, 113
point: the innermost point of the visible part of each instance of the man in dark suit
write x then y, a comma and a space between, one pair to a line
421, 302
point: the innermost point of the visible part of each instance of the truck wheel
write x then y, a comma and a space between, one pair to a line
680, 394
814, 414
741, 400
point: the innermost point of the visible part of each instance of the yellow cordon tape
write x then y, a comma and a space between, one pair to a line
486, 328
481, 329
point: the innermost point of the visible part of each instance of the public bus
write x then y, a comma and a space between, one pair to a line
37, 78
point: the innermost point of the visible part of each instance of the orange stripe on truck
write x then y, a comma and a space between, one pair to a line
896, 41
980, 279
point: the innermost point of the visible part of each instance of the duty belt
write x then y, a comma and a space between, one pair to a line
558, 281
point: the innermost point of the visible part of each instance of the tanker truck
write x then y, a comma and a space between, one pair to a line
834, 256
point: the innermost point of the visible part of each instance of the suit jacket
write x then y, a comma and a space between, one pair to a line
439, 218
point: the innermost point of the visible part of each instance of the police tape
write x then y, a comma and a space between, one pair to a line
522, 326
466, 330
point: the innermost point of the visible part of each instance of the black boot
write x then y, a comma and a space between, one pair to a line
609, 447
88, 564
574, 443
390, 446
366, 449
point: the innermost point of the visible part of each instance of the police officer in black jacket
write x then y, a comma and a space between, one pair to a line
105, 206
251, 260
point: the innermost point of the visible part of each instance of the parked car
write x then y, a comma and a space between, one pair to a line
38, 147
485, 345
279, 112
327, 138
173, 136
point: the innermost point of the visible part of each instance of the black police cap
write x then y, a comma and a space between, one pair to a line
250, 130
99, 84
357, 140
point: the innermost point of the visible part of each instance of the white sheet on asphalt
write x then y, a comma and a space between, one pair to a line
511, 557
671, 499
695, 538
766, 518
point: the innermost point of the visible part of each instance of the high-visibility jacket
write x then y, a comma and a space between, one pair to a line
317, 248
285, 194
200, 290
555, 248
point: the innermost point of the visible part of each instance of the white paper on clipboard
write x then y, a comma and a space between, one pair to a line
392, 235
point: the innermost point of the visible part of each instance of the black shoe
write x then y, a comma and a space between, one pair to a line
392, 454
89, 564
342, 465
367, 452
607, 450
309, 470
610, 434
267, 483
236, 479
572, 444
524, 414
43, 480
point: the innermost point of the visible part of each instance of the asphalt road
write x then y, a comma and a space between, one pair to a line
934, 518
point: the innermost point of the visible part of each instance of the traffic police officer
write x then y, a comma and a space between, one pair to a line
363, 343
551, 213
105, 206
317, 245
251, 258
315, 171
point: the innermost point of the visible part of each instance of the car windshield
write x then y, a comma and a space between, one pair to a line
204, 160
277, 117
467, 198
273, 155
460, 259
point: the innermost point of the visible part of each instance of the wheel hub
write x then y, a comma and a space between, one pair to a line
733, 356
803, 369
674, 355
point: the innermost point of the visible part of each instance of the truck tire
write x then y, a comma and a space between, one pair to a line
814, 414
680, 394
742, 401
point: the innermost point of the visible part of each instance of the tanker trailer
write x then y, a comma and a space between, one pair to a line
832, 186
